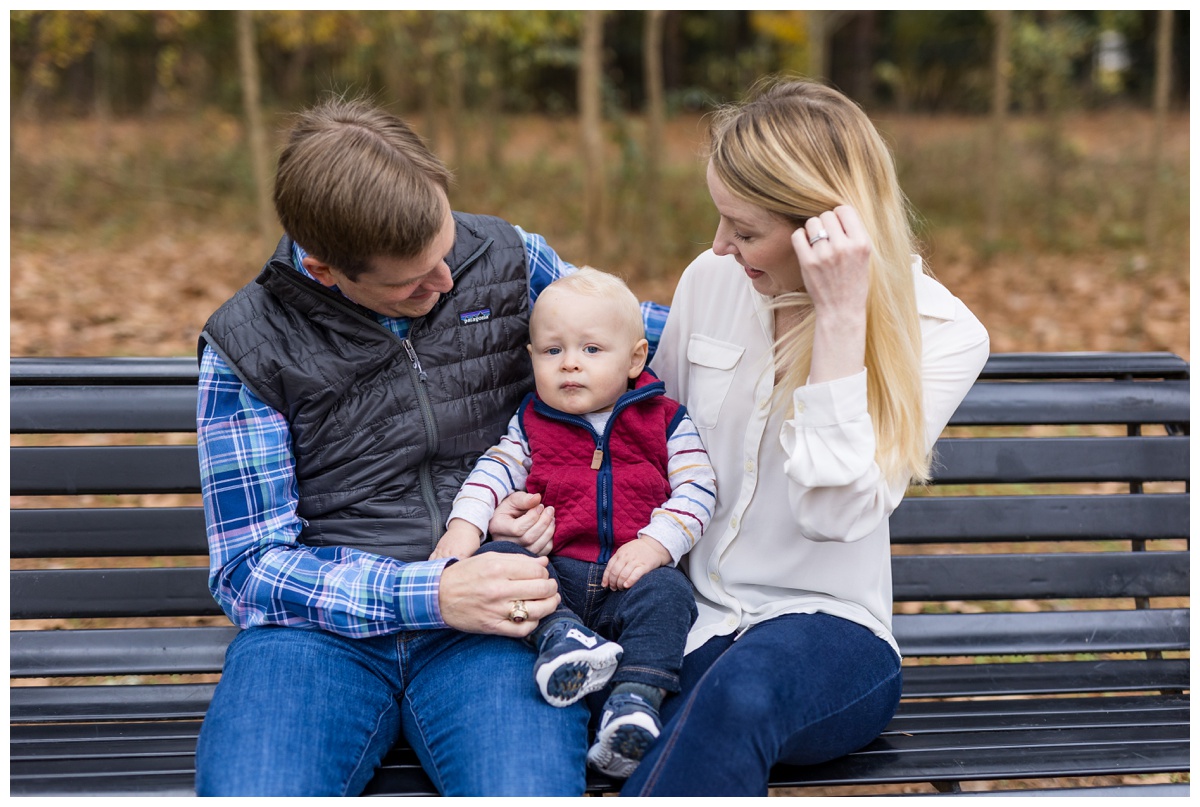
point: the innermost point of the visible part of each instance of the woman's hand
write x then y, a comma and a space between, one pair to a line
836, 271
477, 594
522, 519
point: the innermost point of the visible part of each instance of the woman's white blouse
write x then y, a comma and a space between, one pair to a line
801, 524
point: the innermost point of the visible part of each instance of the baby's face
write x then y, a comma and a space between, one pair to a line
584, 353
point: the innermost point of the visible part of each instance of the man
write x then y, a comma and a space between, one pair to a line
344, 396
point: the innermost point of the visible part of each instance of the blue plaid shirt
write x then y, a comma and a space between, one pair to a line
259, 572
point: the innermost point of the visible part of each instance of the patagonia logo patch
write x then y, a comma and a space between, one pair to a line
479, 315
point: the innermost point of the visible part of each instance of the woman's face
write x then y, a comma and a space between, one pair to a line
757, 239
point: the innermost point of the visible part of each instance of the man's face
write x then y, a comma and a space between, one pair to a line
397, 287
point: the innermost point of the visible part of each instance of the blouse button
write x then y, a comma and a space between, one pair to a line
716, 578
799, 407
749, 466
731, 621
733, 522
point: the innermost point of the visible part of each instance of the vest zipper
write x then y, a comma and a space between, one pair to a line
424, 470
416, 362
604, 481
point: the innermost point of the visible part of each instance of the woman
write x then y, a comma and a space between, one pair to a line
820, 363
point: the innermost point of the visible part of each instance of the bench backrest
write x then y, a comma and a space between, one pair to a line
1057, 524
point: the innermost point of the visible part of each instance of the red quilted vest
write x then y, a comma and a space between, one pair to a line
598, 509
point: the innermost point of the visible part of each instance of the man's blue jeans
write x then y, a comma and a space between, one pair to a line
800, 689
305, 712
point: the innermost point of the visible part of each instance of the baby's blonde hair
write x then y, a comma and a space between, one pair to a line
596, 283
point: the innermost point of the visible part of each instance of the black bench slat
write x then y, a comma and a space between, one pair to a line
1020, 403
1045, 678
174, 782
999, 634
1020, 755
46, 753
1001, 714
1061, 575
120, 370
1084, 364
74, 410
1060, 459
82, 593
962, 519
75, 470
118, 651
87, 703
1080, 364
161, 774
107, 532
1159, 790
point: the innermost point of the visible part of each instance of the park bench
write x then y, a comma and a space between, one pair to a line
1041, 586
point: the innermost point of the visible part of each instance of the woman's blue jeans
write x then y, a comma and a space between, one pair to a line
800, 689
305, 712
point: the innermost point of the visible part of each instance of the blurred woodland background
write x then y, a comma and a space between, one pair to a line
1046, 153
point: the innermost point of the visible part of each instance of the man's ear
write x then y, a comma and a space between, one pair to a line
321, 272
637, 360
530, 349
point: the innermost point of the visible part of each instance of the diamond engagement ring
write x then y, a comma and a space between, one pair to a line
820, 235
518, 613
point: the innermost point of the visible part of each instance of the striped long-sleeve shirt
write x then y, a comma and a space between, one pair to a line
259, 572
676, 524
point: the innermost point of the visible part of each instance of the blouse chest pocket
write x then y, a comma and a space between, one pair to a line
711, 366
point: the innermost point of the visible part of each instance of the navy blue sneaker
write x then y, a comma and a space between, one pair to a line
628, 727
573, 662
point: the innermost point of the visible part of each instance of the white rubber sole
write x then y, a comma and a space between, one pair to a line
621, 744
593, 667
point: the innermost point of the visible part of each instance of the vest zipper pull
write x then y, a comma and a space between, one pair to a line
416, 363
597, 459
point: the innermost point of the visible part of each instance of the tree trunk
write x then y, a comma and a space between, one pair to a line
1054, 92
997, 136
1162, 95
450, 33
652, 54
252, 104
493, 104
822, 25
592, 134
103, 85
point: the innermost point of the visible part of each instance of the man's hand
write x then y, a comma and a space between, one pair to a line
477, 594
522, 519
632, 561
460, 540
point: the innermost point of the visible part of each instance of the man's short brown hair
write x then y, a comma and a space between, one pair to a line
355, 182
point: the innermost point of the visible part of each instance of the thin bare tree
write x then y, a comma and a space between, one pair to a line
997, 135
652, 57
1162, 95
591, 55
252, 105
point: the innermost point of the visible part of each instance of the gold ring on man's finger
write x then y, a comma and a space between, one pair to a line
518, 613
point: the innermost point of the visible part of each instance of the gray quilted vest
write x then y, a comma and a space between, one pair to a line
384, 430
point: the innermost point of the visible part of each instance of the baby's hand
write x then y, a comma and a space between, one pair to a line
632, 561
461, 540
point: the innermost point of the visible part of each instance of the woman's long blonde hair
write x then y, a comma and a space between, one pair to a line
798, 148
